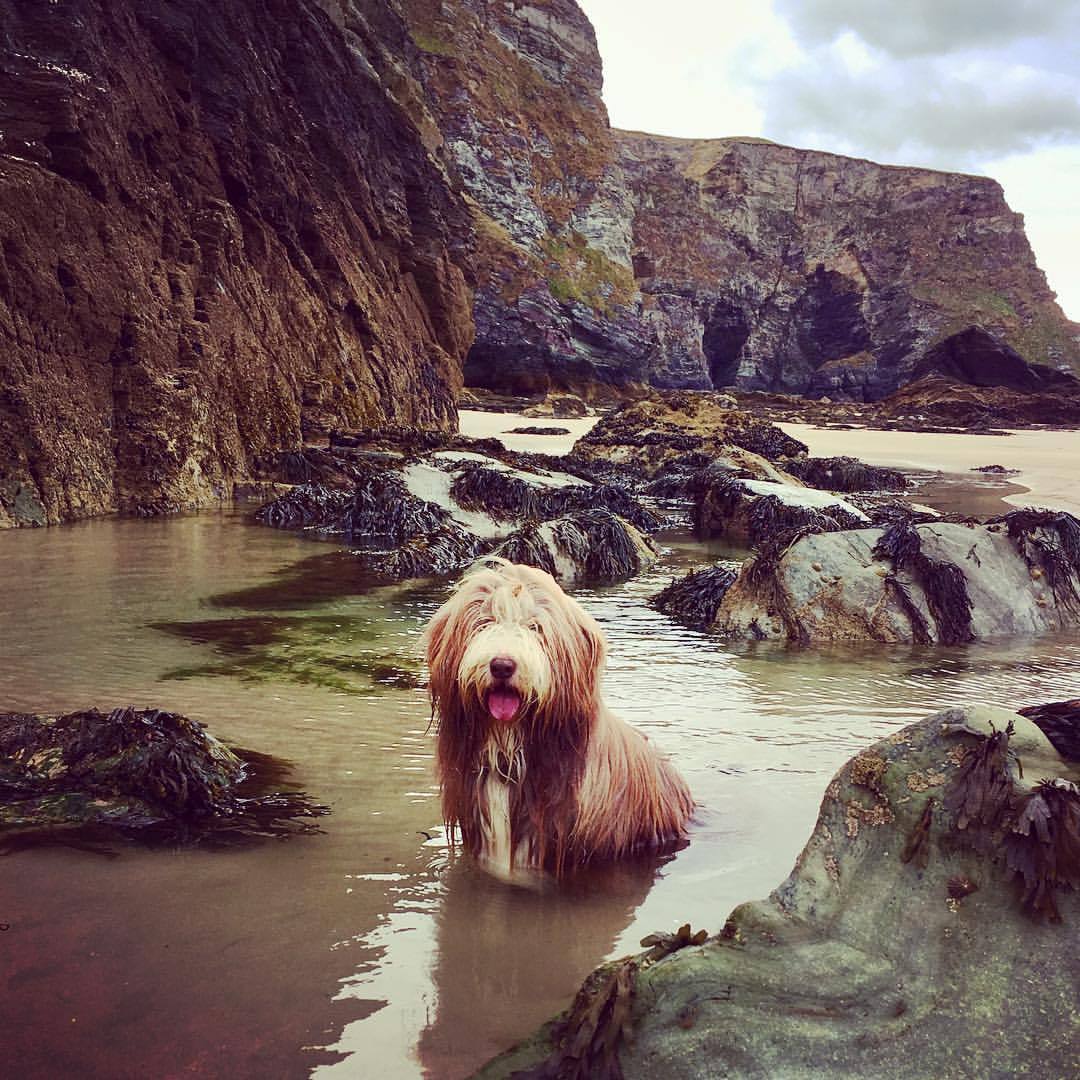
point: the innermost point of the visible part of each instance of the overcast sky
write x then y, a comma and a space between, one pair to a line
984, 86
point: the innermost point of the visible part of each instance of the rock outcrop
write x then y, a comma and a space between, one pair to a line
610, 256
222, 226
940, 583
431, 513
781, 269
927, 929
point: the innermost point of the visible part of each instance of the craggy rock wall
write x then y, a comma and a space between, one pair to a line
616, 257
220, 224
516, 90
792, 270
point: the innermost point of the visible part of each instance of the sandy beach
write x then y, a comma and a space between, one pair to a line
1049, 461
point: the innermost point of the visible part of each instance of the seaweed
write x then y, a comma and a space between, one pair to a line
528, 547
980, 797
943, 584
1042, 847
442, 552
511, 498
696, 598
767, 440
1049, 540
496, 493
920, 628
845, 474
725, 496
769, 514
306, 505
379, 505
587, 1037
917, 846
1059, 721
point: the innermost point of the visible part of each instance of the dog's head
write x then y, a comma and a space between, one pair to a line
510, 647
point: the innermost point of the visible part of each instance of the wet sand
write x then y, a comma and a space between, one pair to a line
1049, 461
486, 425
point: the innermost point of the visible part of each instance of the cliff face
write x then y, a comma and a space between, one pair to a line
782, 269
611, 256
219, 225
516, 91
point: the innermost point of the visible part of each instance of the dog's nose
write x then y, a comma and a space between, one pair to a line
502, 667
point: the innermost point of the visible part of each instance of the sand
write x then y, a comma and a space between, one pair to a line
1049, 461
486, 425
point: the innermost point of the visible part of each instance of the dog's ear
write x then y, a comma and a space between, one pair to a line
594, 648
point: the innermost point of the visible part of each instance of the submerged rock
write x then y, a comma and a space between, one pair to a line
943, 583
142, 773
928, 928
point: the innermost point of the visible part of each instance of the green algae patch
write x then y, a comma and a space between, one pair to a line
309, 650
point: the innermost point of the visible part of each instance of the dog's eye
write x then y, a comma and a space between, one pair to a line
535, 627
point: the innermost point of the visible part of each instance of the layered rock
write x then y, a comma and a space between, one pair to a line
516, 90
782, 269
222, 225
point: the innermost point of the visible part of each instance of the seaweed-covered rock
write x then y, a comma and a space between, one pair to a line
648, 435
928, 928
845, 474
591, 545
380, 504
436, 515
754, 510
943, 583
144, 773
696, 598
533, 430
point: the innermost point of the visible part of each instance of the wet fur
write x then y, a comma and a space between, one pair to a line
564, 782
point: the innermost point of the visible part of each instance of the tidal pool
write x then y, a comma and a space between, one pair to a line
368, 950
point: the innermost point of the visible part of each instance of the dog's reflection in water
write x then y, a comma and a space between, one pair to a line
535, 771
510, 957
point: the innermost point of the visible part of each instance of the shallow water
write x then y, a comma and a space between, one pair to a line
367, 950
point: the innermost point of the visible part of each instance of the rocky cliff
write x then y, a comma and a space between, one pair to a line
783, 269
612, 256
516, 91
220, 225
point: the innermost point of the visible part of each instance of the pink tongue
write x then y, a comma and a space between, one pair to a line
502, 704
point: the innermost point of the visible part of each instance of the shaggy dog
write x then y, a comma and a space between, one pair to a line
535, 770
